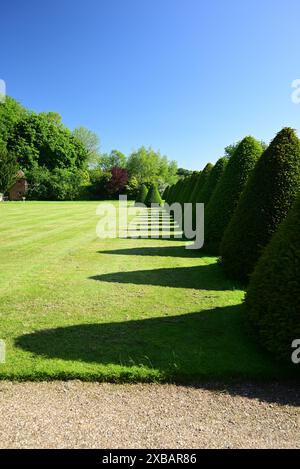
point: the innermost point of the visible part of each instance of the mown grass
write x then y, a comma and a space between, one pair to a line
76, 306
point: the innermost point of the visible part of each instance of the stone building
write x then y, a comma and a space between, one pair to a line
20, 187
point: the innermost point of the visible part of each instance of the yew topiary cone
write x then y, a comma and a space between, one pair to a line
226, 196
153, 196
213, 178
272, 300
142, 194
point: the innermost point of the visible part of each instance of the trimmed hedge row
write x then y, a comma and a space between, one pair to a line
225, 198
252, 217
266, 201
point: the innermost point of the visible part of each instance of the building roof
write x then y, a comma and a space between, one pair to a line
20, 174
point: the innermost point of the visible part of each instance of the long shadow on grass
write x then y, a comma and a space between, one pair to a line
202, 277
164, 251
210, 345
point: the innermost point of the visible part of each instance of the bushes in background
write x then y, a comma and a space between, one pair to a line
266, 201
59, 184
272, 300
225, 198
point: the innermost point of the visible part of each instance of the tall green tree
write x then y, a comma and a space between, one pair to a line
10, 113
114, 159
38, 141
8, 169
149, 166
91, 143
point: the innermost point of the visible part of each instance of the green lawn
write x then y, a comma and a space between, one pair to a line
75, 306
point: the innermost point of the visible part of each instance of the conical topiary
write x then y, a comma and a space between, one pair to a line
185, 192
272, 300
225, 198
194, 181
268, 197
153, 196
212, 180
172, 193
179, 190
142, 194
202, 178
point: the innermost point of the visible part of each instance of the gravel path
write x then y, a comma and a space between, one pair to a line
90, 415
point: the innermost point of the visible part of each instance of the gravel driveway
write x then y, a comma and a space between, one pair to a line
90, 415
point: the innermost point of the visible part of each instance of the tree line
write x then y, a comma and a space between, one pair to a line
61, 164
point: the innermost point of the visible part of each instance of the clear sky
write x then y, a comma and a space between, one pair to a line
185, 76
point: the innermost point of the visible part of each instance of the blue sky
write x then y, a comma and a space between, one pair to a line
185, 76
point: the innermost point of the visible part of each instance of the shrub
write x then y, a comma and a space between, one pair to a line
153, 196
212, 180
225, 198
272, 300
268, 197
142, 194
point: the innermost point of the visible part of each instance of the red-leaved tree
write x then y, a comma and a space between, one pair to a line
118, 181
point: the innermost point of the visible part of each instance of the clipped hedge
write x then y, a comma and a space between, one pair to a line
225, 198
272, 300
212, 180
153, 196
143, 191
268, 197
